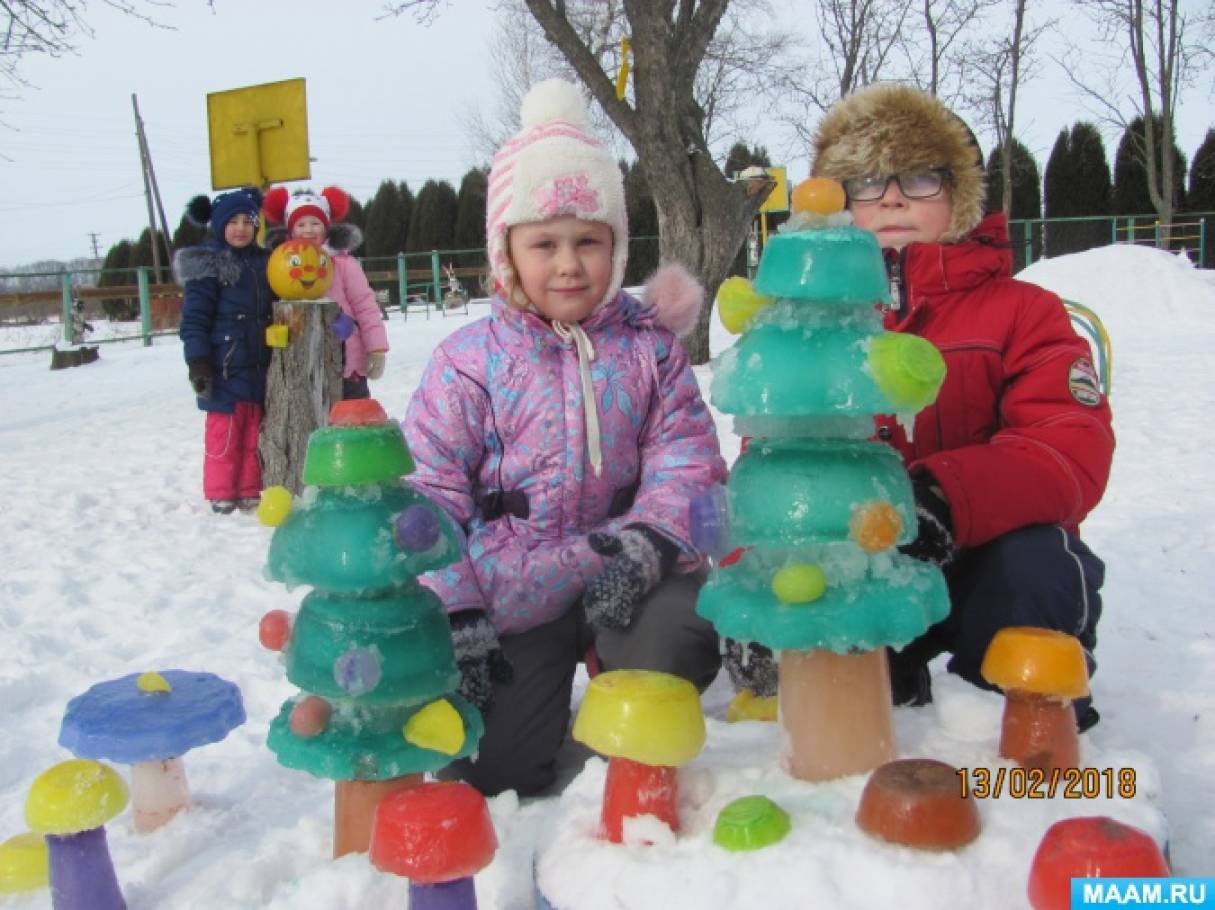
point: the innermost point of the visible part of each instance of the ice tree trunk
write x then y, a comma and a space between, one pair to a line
354, 805
304, 382
835, 713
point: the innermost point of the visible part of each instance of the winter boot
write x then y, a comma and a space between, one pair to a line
223, 506
248, 503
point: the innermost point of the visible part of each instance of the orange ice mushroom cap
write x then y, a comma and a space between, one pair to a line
820, 195
1039, 661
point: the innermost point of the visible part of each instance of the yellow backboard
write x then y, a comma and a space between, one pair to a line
258, 134
778, 199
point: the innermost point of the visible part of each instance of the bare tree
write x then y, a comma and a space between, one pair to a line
1166, 48
1000, 68
858, 44
683, 75
934, 41
53, 27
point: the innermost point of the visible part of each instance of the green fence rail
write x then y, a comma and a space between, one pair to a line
423, 282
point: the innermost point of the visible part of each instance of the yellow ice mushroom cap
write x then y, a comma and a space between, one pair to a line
152, 682
642, 715
438, 726
74, 796
24, 865
1041, 661
737, 302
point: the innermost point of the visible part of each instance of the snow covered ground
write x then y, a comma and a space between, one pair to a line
113, 564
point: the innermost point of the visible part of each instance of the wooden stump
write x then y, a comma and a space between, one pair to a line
305, 380
73, 357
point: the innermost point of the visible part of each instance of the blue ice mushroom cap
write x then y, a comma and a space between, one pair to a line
122, 721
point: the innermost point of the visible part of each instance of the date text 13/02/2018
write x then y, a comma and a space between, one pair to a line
1046, 783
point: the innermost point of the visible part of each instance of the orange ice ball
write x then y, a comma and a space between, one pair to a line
876, 526
820, 195
310, 717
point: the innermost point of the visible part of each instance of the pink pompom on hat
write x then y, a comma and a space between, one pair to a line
330, 205
554, 167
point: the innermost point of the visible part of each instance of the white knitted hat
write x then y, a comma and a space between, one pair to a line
553, 167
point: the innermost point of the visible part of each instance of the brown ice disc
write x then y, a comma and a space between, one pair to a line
918, 802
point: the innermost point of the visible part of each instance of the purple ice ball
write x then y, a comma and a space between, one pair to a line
417, 529
709, 522
357, 671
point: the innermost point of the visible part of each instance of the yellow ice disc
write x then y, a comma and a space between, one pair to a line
438, 726
746, 705
799, 584
23, 863
153, 682
274, 507
737, 302
74, 796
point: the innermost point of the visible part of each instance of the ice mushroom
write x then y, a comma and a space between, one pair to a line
648, 724
1089, 847
69, 805
917, 802
24, 864
438, 835
149, 721
1041, 671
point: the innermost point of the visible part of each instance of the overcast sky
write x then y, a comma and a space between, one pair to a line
384, 100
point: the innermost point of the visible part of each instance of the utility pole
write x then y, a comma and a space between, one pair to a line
95, 238
151, 191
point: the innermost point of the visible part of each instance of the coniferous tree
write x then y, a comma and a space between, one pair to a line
405, 204
433, 223
385, 232
643, 226
1200, 196
469, 231
1077, 184
114, 274
1026, 200
188, 234
1130, 192
357, 215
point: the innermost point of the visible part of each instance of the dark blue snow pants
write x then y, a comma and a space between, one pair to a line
1036, 576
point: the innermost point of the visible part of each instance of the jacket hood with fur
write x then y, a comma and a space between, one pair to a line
890, 129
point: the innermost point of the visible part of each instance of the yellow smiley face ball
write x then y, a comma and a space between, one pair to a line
299, 270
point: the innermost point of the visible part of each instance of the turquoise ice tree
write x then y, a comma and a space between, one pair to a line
370, 648
816, 508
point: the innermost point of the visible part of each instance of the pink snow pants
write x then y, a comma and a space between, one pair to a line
231, 469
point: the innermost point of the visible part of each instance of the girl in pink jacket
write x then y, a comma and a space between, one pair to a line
566, 433
315, 217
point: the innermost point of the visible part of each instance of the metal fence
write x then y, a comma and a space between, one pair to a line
422, 283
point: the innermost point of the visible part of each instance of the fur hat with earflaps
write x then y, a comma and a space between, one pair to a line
891, 129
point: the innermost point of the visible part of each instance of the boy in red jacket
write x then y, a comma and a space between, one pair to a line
1016, 450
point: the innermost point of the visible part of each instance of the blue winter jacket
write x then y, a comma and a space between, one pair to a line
224, 318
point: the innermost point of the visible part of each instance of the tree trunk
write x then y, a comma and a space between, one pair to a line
305, 380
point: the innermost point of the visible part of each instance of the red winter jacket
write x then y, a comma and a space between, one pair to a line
1020, 433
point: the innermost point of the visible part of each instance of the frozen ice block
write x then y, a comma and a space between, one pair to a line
408, 632
342, 455
840, 265
789, 492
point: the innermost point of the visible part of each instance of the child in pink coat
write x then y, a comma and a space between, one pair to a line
316, 217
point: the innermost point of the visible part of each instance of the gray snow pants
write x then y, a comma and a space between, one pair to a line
527, 722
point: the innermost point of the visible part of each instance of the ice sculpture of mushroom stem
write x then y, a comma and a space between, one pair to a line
1041, 671
69, 804
647, 724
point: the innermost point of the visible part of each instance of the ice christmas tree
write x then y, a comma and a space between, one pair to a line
370, 648
818, 508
